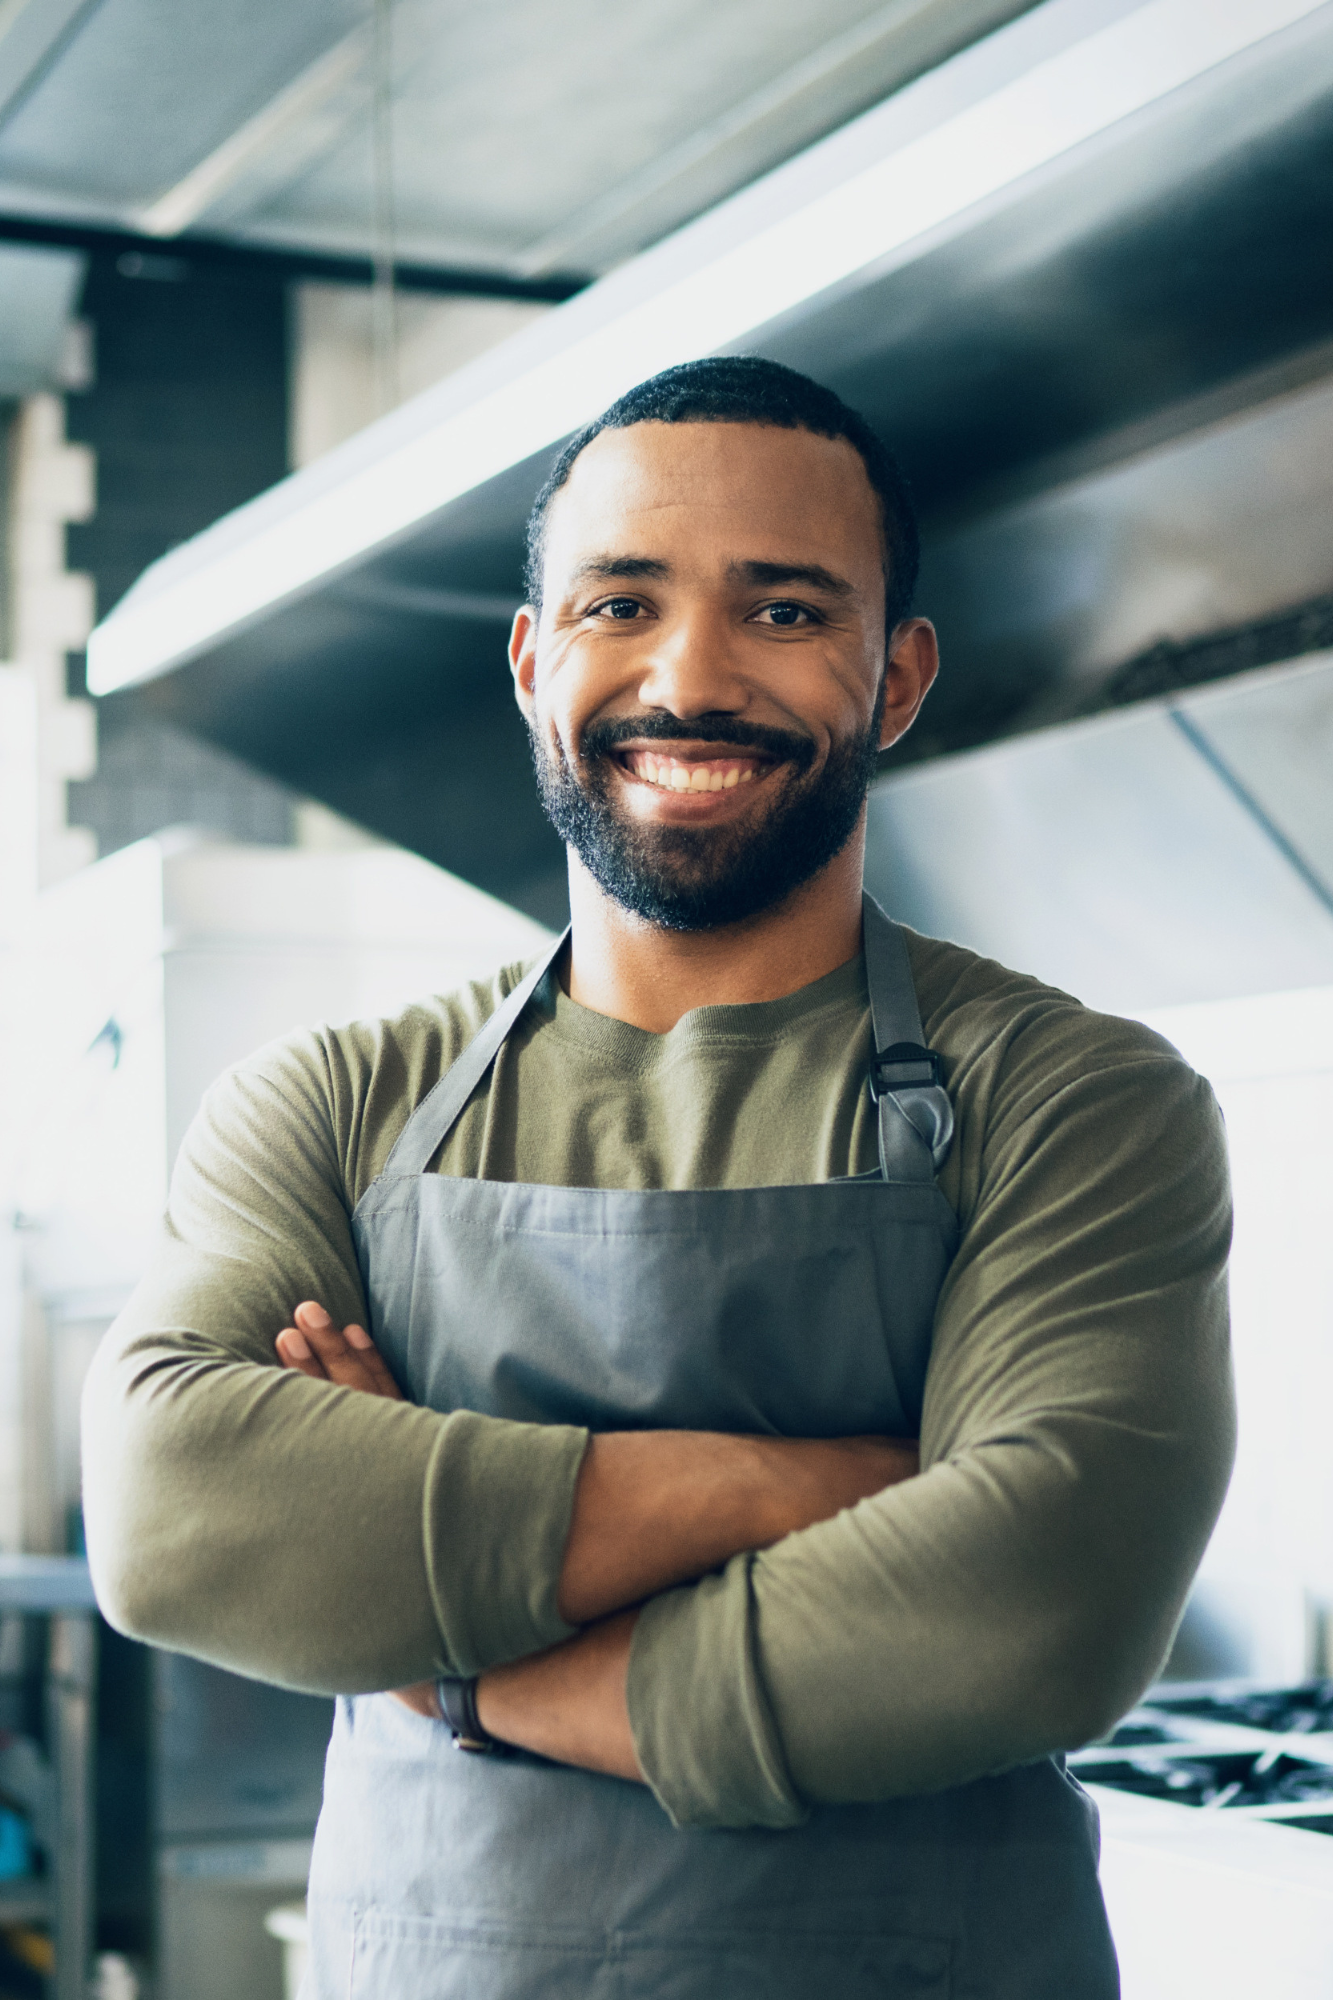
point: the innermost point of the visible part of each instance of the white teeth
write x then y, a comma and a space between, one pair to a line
690, 778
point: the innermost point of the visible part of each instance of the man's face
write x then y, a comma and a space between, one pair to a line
705, 685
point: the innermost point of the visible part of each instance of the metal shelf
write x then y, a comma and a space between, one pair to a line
43, 1584
24, 1902
60, 1785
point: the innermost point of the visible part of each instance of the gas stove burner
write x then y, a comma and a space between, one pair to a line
1230, 1778
1295, 1711
1133, 1731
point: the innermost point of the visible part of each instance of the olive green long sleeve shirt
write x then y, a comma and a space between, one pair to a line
1076, 1439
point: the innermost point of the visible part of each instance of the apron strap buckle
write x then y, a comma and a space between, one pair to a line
915, 1115
902, 1065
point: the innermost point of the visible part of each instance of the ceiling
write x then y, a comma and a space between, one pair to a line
527, 135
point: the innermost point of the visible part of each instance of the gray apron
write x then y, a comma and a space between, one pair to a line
787, 1311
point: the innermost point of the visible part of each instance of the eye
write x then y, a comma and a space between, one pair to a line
621, 608
785, 614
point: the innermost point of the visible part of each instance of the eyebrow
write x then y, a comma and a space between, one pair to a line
763, 575
814, 575
607, 569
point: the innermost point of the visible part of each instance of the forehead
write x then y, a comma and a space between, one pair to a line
722, 489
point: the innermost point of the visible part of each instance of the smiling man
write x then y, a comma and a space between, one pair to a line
629, 1282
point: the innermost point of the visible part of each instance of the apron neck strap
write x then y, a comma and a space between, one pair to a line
915, 1116
437, 1114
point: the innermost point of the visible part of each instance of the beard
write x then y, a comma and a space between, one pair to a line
688, 878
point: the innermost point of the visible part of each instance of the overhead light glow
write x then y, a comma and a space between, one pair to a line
1059, 103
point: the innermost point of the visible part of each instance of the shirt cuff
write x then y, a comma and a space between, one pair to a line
702, 1724
499, 1497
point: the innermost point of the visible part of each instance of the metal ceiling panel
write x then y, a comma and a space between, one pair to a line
566, 136
146, 88
531, 133
33, 36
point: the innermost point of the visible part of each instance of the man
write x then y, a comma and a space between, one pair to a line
662, 1287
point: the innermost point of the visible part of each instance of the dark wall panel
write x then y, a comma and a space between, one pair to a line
188, 414
188, 419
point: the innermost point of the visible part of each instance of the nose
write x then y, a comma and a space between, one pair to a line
692, 669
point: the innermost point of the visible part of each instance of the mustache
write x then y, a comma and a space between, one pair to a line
784, 746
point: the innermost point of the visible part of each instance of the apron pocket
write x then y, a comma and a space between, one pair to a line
419, 1958
397, 1957
777, 1965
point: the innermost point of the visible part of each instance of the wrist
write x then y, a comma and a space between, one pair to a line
568, 1704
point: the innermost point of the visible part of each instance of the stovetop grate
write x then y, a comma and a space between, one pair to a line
1261, 1752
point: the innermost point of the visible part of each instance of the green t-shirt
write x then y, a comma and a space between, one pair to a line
1076, 1439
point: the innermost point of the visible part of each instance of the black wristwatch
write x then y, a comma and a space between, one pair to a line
458, 1701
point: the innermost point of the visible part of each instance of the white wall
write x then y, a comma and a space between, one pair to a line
333, 386
136, 982
1266, 1587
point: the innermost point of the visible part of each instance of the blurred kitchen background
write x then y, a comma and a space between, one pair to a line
297, 302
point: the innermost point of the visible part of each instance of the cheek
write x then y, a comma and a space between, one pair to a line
835, 698
575, 685
858, 687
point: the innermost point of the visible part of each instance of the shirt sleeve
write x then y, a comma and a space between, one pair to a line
281, 1527
1078, 1432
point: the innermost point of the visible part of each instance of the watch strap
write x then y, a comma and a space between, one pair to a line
458, 1704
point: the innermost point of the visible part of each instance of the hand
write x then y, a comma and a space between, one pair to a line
314, 1346
422, 1699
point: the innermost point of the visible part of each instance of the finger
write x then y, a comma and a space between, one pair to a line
321, 1334
345, 1361
317, 1325
421, 1699
294, 1352
373, 1361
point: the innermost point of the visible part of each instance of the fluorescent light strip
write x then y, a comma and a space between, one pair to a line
1056, 105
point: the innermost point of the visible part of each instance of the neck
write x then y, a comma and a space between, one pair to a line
627, 968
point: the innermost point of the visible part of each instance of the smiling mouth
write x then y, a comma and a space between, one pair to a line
693, 774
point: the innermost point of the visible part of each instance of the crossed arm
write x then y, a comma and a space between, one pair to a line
651, 1509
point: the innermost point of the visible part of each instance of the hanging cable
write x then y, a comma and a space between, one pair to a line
384, 302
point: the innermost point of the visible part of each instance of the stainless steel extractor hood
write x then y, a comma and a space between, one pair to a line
1080, 246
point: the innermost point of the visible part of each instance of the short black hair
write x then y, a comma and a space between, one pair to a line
745, 389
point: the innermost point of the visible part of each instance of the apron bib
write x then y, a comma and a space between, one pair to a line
790, 1311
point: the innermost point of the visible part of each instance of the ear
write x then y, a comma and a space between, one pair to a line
914, 661
523, 658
